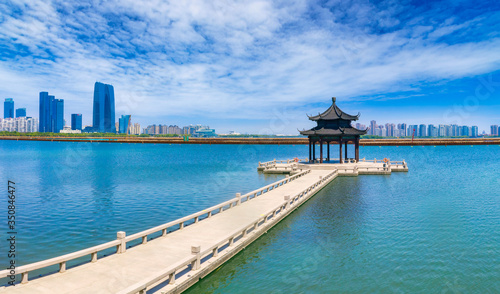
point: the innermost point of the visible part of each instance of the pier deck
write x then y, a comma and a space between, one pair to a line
189, 248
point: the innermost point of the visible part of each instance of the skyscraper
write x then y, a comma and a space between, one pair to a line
44, 112
51, 113
57, 115
124, 124
373, 126
8, 108
474, 131
76, 121
103, 120
494, 130
21, 112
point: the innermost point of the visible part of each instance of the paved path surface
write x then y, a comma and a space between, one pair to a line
119, 271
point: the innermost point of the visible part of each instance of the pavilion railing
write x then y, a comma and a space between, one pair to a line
121, 242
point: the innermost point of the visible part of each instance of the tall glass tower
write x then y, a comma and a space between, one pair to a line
57, 115
124, 124
51, 113
8, 108
76, 121
103, 120
21, 112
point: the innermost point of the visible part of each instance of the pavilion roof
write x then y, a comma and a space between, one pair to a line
334, 113
321, 131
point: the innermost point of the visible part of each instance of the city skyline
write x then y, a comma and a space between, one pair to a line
263, 62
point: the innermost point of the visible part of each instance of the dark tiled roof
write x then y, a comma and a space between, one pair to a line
334, 113
334, 132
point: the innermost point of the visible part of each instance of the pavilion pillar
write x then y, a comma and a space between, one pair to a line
340, 151
320, 150
328, 150
309, 149
314, 150
346, 148
356, 147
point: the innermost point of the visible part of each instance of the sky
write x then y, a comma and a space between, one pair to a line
257, 66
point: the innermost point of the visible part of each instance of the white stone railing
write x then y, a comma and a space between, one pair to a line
274, 162
193, 263
121, 242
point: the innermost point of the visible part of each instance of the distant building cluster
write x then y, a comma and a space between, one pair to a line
51, 118
193, 130
422, 130
18, 122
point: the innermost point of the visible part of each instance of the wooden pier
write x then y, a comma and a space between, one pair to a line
188, 249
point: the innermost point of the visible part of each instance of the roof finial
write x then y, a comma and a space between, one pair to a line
334, 99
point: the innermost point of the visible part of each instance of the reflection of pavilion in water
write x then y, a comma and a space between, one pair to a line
333, 125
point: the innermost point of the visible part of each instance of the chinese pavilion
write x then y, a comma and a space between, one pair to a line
333, 125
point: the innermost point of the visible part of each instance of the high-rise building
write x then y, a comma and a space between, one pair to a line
373, 126
474, 131
494, 130
103, 119
8, 108
76, 121
21, 112
57, 115
402, 127
44, 112
124, 124
51, 113
422, 132
135, 129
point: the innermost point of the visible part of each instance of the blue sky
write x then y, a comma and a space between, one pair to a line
257, 66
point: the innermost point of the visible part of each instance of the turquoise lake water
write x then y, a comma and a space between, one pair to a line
435, 229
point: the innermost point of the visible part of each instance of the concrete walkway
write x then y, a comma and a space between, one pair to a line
114, 273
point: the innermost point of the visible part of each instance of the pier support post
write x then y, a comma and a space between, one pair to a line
123, 245
195, 250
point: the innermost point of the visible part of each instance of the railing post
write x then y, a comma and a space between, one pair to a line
238, 196
144, 239
215, 252
171, 278
123, 245
94, 257
195, 250
62, 267
164, 232
287, 199
24, 278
